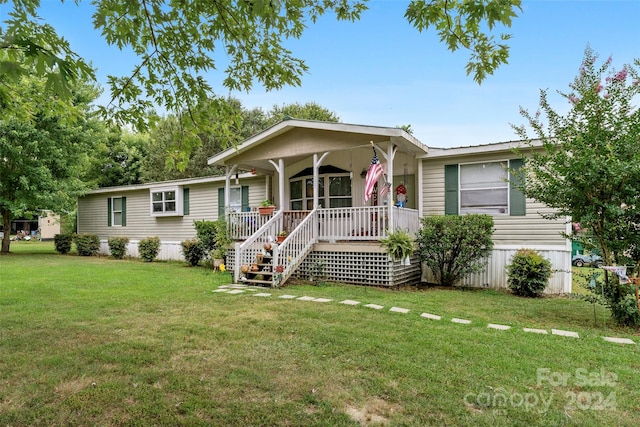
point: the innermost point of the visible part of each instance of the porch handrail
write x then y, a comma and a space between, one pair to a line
242, 225
406, 219
247, 250
289, 254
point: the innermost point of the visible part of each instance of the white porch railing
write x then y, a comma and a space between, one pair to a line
355, 223
364, 223
288, 255
243, 225
246, 251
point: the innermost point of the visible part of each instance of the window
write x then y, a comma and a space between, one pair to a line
487, 187
338, 196
484, 188
166, 201
235, 199
117, 211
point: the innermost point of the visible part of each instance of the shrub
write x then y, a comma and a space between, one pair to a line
619, 298
528, 274
63, 242
213, 235
454, 246
87, 244
149, 248
192, 251
118, 246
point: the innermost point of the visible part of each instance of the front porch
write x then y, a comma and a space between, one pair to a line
342, 242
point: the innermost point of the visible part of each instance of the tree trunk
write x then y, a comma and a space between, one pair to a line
6, 228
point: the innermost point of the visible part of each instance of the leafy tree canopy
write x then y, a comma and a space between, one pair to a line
43, 159
589, 169
179, 41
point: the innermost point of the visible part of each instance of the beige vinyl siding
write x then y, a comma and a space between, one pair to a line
532, 229
203, 205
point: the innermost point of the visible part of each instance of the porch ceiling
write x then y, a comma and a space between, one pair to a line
294, 140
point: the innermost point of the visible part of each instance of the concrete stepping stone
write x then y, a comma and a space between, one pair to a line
350, 302
262, 294
461, 321
322, 300
619, 340
221, 290
236, 291
562, 333
375, 306
535, 331
399, 310
237, 286
287, 296
306, 298
498, 327
430, 316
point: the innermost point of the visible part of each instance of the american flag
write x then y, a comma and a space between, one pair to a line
385, 189
374, 173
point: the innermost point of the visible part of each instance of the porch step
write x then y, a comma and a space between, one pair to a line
258, 282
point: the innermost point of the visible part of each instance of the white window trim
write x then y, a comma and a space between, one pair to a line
179, 201
508, 186
114, 211
326, 198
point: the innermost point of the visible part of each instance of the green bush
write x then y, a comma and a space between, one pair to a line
193, 251
149, 248
63, 242
213, 235
528, 274
118, 246
87, 244
454, 246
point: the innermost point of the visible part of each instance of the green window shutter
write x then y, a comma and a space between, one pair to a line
517, 199
185, 201
245, 198
451, 189
124, 211
109, 212
220, 202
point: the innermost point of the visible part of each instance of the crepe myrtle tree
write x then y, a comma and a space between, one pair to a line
589, 165
179, 44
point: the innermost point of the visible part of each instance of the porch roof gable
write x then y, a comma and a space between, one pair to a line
350, 132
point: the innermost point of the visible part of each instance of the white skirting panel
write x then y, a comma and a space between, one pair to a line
168, 250
495, 275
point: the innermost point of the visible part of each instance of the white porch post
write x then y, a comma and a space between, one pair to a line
279, 167
391, 154
420, 197
227, 187
316, 177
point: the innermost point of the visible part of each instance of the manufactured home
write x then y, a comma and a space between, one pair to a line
315, 173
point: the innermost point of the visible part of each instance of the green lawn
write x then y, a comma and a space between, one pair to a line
95, 341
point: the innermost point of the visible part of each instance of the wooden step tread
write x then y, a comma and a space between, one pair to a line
259, 282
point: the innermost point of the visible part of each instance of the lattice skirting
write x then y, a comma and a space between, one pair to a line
359, 268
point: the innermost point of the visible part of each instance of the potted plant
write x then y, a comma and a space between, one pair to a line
217, 255
282, 235
266, 207
399, 245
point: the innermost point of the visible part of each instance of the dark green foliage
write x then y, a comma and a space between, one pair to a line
588, 167
193, 251
87, 244
148, 248
213, 235
63, 242
453, 246
118, 246
529, 273
619, 298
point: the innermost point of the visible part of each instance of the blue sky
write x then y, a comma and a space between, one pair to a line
380, 71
